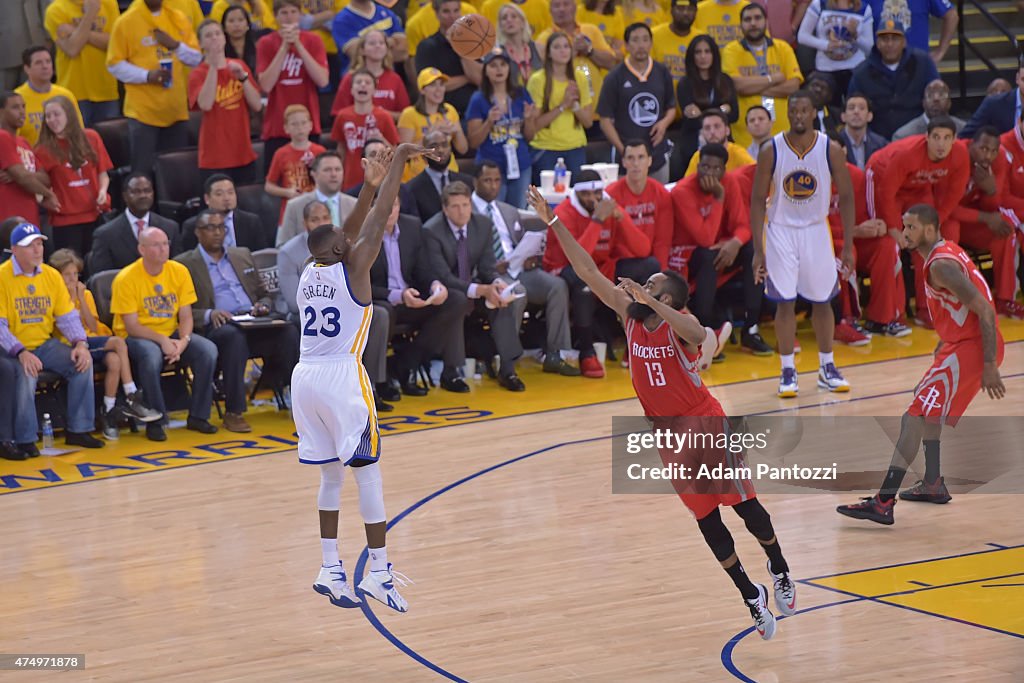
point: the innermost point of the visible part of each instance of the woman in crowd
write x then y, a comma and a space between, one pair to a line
372, 54
515, 35
77, 163
566, 110
703, 87
431, 112
501, 120
241, 37
607, 16
260, 15
841, 33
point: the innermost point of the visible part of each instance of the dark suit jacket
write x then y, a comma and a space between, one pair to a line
249, 232
114, 245
406, 202
418, 269
995, 110
872, 143
443, 249
245, 268
428, 199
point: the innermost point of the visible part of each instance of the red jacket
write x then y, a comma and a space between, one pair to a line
651, 211
1013, 198
606, 242
703, 221
974, 201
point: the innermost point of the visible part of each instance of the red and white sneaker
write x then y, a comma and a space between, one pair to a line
785, 592
764, 620
1010, 308
591, 367
847, 334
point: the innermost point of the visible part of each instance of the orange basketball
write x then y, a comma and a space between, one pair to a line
472, 36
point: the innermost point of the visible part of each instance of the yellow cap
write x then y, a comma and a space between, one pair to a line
428, 76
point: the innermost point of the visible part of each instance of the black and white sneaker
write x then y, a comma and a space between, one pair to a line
764, 620
135, 407
785, 592
109, 422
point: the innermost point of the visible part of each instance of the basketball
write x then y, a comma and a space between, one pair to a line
472, 36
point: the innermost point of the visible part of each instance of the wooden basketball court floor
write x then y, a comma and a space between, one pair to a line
527, 568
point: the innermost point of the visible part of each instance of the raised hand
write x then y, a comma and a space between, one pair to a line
375, 167
635, 290
539, 204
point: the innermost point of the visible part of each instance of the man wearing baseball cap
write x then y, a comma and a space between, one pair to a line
33, 300
894, 78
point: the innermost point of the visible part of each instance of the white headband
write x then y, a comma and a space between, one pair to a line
589, 185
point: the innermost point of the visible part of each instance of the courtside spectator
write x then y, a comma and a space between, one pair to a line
289, 176
37, 89
115, 244
372, 53
672, 38
81, 32
821, 86
77, 164
227, 284
359, 122
936, 102
764, 70
644, 199
704, 87
328, 176
360, 16
428, 187
893, 78
8, 447
150, 46
18, 197
152, 306
291, 65
714, 129
243, 229
431, 113
34, 304
223, 89
759, 128
858, 139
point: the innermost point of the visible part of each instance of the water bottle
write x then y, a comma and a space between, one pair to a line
47, 431
560, 173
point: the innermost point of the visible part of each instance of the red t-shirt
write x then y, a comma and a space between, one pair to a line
290, 168
390, 94
76, 189
294, 86
14, 201
651, 211
224, 140
352, 130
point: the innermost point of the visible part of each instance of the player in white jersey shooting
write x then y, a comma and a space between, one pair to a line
332, 398
794, 252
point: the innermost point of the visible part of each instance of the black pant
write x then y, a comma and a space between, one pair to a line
438, 327
76, 237
705, 278
147, 140
582, 306
278, 346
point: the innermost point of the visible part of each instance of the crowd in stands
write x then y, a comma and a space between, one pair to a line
286, 99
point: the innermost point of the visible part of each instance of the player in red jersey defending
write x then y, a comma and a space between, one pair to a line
670, 390
966, 361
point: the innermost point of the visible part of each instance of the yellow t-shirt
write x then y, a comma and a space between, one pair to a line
596, 80
651, 18
156, 300
190, 8
132, 41
318, 6
85, 75
612, 27
538, 15
670, 49
31, 304
425, 24
260, 13
738, 61
34, 102
738, 158
101, 329
419, 125
563, 133
720, 19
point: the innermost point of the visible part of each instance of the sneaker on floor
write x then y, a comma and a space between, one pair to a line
554, 363
785, 592
830, 378
788, 387
135, 407
893, 329
381, 586
847, 334
591, 367
923, 492
870, 508
110, 420
83, 439
155, 432
754, 343
333, 583
1010, 309
764, 620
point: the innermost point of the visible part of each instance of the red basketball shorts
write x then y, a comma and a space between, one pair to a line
952, 382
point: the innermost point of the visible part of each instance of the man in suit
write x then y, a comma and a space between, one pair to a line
116, 244
227, 283
406, 281
542, 288
427, 186
405, 198
859, 141
327, 174
936, 103
461, 246
244, 229
291, 260
1001, 111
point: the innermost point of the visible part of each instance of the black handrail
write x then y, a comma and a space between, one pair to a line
964, 44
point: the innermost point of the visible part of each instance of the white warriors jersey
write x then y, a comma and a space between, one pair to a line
333, 322
801, 184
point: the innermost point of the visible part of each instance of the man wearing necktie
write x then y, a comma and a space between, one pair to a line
244, 229
462, 247
428, 185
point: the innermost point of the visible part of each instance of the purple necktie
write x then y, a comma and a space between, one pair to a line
462, 254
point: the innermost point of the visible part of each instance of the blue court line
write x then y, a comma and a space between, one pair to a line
927, 587
996, 545
1002, 585
920, 583
907, 564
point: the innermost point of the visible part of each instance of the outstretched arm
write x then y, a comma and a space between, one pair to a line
375, 169
685, 325
579, 259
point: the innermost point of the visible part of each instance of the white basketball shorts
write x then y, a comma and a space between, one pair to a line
800, 262
332, 405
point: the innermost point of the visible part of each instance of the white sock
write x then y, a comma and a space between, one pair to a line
329, 548
788, 361
108, 403
752, 329
129, 388
824, 359
378, 559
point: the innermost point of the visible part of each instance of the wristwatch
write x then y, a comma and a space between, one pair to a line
244, 78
